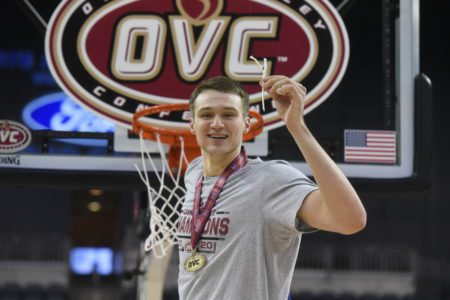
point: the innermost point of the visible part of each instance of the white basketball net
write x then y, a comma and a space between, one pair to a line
165, 201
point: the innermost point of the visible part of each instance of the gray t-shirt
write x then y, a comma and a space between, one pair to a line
252, 238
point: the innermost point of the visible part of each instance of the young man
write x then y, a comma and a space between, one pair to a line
242, 219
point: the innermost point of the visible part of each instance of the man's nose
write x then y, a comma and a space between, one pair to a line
217, 122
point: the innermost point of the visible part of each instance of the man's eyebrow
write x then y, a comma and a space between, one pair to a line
207, 108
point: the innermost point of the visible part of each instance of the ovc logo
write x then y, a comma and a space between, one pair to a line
117, 57
14, 137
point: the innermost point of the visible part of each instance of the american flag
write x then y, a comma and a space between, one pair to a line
370, 146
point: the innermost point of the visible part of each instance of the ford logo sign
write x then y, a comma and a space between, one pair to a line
58, 112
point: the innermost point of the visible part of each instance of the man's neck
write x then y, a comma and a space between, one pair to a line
214, 165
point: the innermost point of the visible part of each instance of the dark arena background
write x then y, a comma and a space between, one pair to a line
73, 210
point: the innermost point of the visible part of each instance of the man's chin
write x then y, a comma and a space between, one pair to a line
218, 150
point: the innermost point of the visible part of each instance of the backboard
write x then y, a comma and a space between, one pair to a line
76, 84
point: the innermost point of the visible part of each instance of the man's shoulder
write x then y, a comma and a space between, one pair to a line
194, 166
277, 169
195, 163
272, 165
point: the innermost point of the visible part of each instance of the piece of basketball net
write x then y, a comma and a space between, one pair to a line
263, 69
166, 195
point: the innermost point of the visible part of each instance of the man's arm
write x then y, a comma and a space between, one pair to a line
335, 206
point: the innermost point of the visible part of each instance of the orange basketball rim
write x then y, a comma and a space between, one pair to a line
181, 139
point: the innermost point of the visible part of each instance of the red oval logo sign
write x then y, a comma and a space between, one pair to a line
117, 57
14, 136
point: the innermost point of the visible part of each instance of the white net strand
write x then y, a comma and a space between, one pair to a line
183, 158
163, 204
175, 181
263, 69
153, 195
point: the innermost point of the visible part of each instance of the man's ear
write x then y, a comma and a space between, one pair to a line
191, 125
247, 125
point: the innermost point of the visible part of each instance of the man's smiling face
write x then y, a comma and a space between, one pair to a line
218, 122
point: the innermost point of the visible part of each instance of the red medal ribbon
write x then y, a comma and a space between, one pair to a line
199, 219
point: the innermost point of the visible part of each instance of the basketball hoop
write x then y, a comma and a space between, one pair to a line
165, 202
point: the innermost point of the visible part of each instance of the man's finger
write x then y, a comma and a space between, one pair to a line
303, 88
269, 81
278, 84
287, 88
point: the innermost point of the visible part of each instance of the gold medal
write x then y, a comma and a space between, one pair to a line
195, 262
